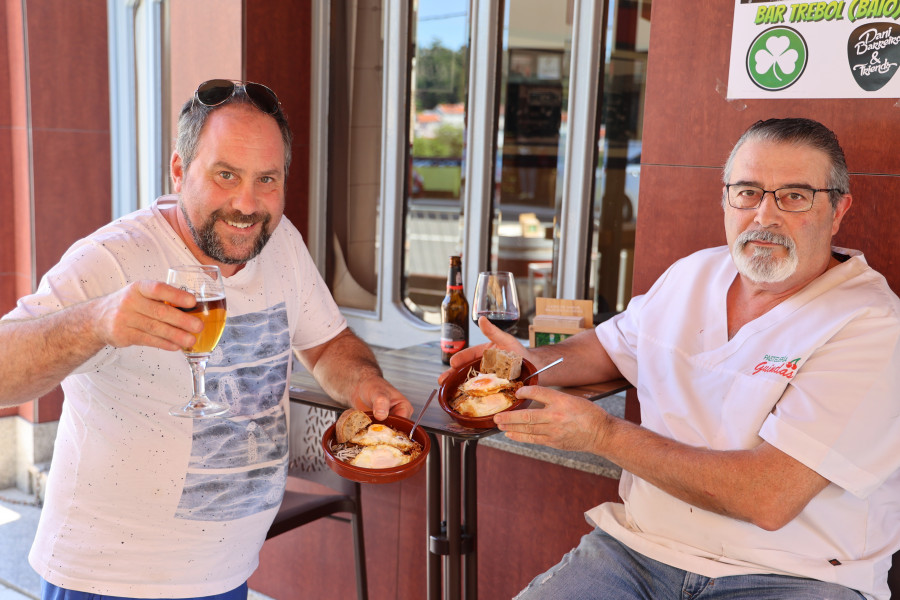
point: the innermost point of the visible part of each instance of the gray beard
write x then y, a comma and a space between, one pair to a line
210, 243
763, 266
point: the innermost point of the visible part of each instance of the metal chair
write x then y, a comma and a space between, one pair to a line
894, 576
300, 508
307, 425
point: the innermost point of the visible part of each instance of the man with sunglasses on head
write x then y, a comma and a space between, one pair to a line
768, 373
141, 504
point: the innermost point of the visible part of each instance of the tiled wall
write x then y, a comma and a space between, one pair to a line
54, 172
689, 129
55, 142
15, 274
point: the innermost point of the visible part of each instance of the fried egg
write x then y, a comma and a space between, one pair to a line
482, 406
484, 384
378, 434
380, 456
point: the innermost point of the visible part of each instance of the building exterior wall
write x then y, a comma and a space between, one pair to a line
690, 128
54, 180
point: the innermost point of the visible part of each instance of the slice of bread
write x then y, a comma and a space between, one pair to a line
501, 363
350, 423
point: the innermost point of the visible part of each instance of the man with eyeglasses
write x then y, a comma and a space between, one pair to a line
141, 504
768, 373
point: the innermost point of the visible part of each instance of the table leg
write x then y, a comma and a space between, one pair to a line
450, 457
453, 537
433, 504
470, 495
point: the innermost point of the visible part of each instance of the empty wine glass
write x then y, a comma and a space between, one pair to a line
496, 299
208, 287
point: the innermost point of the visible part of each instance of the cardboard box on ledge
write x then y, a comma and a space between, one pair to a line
556, 319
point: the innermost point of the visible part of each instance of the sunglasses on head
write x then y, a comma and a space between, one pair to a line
217, 91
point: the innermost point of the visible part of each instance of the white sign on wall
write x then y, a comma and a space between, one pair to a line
832, 49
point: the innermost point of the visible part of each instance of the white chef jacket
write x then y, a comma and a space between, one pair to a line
818, 377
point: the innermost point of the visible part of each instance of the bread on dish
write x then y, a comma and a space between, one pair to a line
501, 363
349, 424
363, 443
490, 389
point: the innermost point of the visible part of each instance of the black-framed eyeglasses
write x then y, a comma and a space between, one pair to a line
217, 91
788, 199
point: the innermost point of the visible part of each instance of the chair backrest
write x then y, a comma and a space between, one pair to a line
307, 462
894, 576
307, 459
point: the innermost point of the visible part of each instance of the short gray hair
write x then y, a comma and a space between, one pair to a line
193, 118
804, 132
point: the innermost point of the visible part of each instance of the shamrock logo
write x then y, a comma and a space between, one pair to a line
777, 58
777, 55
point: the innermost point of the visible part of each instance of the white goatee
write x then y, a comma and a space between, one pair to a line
763, 266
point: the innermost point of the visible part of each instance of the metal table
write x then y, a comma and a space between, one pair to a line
450, 467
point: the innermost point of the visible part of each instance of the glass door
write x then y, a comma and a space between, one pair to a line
618, 170
531, 145
437, 127
509, 134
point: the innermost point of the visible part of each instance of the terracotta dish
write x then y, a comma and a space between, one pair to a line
363, 475
448, 391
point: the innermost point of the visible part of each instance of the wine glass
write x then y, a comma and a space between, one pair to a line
496, 299
208, 287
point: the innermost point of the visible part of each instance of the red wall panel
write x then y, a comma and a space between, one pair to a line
277, 52
690, 127
64, 139
69, 107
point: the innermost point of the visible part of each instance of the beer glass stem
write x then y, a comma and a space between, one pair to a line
198, 370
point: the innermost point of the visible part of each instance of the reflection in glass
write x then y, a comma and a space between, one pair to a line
619, 157
531, 137
354, 154
438, 81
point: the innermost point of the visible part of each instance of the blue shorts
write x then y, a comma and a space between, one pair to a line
52, 592
601, 568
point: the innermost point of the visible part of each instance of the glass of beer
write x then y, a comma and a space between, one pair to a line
208, 287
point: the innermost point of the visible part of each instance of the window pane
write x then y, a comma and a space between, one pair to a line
531, 145
438, 81
619, 156
354, 160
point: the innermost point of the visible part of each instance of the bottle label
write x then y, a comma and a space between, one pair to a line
455, 287
453, 338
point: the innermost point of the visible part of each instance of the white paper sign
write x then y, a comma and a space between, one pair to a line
835, 49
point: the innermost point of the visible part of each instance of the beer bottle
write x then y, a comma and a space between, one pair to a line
454, 314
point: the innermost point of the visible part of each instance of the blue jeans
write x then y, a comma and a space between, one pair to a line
602, 568
52, 592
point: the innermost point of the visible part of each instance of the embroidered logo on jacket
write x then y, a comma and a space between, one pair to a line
779, 365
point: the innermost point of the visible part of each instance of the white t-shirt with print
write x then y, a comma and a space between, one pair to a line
143, 504
818, 377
